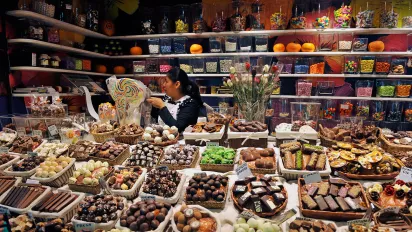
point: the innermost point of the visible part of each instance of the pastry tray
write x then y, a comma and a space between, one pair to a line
43, 144
179, 166
255, 170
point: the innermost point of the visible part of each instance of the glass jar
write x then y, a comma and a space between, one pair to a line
165, 20
301, 65
55, 62
303, 88
165, 45
298, 20
403, 88
284, 109
362, 109
378, 110
211, 64
326, 41
80, 17
179, 45
304, 113
407, 19
239, 12
329, 109
383, 64
351, 65
398, 66
345, 42
65, 11
92, 16
325, 88
367, 64
36, 31
198, 23
407, 112
257, 18
53, 35
153, 46
261, 43
240, 64
360, 44
394, 112
388, 17
165, 64
322, 20
225, 63
343, 16
186, 65
152, 65
182, 18
345, 108
278, 17
230, 44
245, 43
198, 65
139, 66
364, 88
44, 61
317, 65
147, 25
215, 44
277, 87
287, 64
364, 19
219, 19
385, 88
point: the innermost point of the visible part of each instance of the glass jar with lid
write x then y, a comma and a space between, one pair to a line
362, 109
329, 109
343, 16
394, 112
257, 18
220, 14
298, 20
147, 25
278, 15
92, 15
364, 17
182, 18
165, 20
198, 23
304, 113
239, 12
321, 8
388, 18
407, 19
378, 110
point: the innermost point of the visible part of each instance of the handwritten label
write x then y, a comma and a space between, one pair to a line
32, 153
81, 226
362, 222
243, 171
38, 133
4, 150
30, 181
53, 130
4, 210
312, 177
147, 197
163, 168
344, 106
304, 219
405, 174
212, 144
21, 131
248, 214
391, 210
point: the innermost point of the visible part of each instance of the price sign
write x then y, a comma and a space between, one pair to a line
38, 133
405, 174
53, 130
362, 222
248, 214
30, 181
21, 131
81, 226
4, 150
32, 153
312, 177
147, 197
243, 171
4, 210
212, 144
344, 106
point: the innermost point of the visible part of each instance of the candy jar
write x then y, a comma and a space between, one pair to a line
276, 90
362, 109
364, 88
261, 43
147, 25
198, 23
139, 66
245, 43
388, 17
398, 66
378, 110
351, 65
383, 64
407, 19
80, 16
367, 64
215, 44
165, 45
407, 112
198, 65
343, 16
385, 88
394, 112
345, 42
325, 88
53, 35
44, 60
165, 20
58, 109
179, 45
238, 16
36, 31
165, 64
225, 63
301, 65
364, 19
317, 65
284, 109
322, 20
231, 44
182, 21
153, 46
326, 41
298, 20
345, 108
55, 61
152, 65
211, 64
303, 88
186, 65
278, 17
219, 19
360, 44
257, 17
287, 64
409, 37
403, 88
329, 109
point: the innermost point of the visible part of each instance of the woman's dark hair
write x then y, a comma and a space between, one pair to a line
187, 86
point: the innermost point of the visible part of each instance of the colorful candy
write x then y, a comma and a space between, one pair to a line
408, 115
364, 19
403, 90
382, 67
346, 109
301, 69
360, 44
364, 91
362, 111
219, 24
385, 91
351, 66
321, 22
304, 88
366, 66
298, 22
329, 113
407, 21
278, 21
388, 19
181, 27
164, 68
318, 68
345, 45
343, 16
378, 116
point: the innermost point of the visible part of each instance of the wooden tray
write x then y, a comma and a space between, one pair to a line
257, 170
397, 228
211, 204
179, 166
264, 214
329, 215
392, 148
217, 167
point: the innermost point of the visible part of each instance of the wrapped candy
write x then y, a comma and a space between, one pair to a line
278, 21
388, 18
364, 19
343, 16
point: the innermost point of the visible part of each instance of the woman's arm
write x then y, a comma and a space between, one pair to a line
187, 116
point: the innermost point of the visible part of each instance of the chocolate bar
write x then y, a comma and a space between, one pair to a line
299, 160
354, 191
320, 164
288, 160
351, 203
342, 204
343, 192
331, 203
296, 224
271, 190
259, 191
312, 191
333, 190
268, 203
273, 183
244, 198
337, 181
266, 179
312, 161
309, 202
251, 178
309, 148
241, 182
256, 203
240, 188
279, 198
257, 184
323, 188
321, 203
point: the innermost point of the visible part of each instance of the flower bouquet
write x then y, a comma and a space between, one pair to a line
252, 87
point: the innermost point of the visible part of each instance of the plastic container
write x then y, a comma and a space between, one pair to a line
385, 88
345, 42
212, 64
383, 64
378, 110
303, 88
152, 65
287, 64
306, 113
278, 16
398, 66
360, 44
325, 88
245, 43
198, 23
198, 65
329, 109
231, 44
345, 108
239, 13
215, 44
276, 90
301, 65
362, 109
261, 43
179, 45
403, 88
284, 109
394, 112
407, 113
186, 65
181, 18
225, 63
139, 66
351, 64
364, 88
165, 64
326, 41
321, 12
257, 17
154, 47
298, 20
164, 26
166, 45
343, 16
317, 65
367, 64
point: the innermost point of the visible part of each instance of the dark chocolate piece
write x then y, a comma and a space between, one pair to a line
257, 205
259, 191
240, 182
257, 184
279, 198
321, 203
343, 192
240, 189
271, 190
244, 198
266, 179
268, 203
337, 181
331, 203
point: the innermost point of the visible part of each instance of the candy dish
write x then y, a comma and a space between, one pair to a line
396, 143
56, 175
259, 160
218, 159
128, 190
178, 157
103, 131
205, 220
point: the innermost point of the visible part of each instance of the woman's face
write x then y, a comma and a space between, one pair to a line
171, 88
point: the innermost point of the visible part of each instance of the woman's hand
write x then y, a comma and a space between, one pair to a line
156, 102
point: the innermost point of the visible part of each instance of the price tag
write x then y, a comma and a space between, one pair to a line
392, 210
312, 177
344, 106
147, 197
248, 214
32, 153
4, 210
212, 144
38, 133
30, 181
163, 168
53, 130
405, 174
288, 141
21, 131
4, 150
82, 226
362, 222
243, 171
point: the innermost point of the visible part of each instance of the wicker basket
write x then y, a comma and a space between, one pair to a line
211, 204
199, 139
102, 137
394, 149
255, 170
134, 191
128, 139
396, 228
171, 200
92, 189
116, 161
217, 167
179, 166
202, 209
60, 178
389, 176
329, 215
167, 143
291, 174
381, 206
6, 165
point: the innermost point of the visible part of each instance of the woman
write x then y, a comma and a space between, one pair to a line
182, 104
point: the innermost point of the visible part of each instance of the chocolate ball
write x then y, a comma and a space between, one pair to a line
130, 219
151, 207
134, 226
150, 216
154, 224
98, 219
160, 217
143, 211
123, 223
163, 211
144, 227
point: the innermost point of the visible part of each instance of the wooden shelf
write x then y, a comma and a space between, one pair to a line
40, 69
